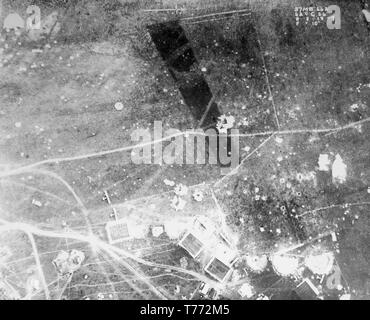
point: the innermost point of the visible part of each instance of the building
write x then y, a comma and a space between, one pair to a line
204, 288
117, 231
210, 247
157, 230
198, 237
191, 244
207, 292
306, 290
218, 270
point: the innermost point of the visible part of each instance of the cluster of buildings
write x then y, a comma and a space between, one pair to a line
217, 254
202, 241
122, 230
211, 248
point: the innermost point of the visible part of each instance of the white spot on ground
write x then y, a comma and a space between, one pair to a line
198, 195
284, 265
118, 106
177, 203
169, 182
320, 263
324, 162
181, 190
224, 123
366, 14
339, 170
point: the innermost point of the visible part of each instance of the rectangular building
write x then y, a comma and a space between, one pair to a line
191, 244
218, 270
117, 231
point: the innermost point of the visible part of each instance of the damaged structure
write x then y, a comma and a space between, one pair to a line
211, 248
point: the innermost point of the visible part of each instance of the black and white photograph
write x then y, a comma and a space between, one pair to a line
198, 152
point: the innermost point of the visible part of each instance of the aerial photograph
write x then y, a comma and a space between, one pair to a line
195, 151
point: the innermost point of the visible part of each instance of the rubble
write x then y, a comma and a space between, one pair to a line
224, 123
66, 263
181, 190
246, 291
177, 203
261, 296
184, 263
198, 195
354, 107
49, 27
